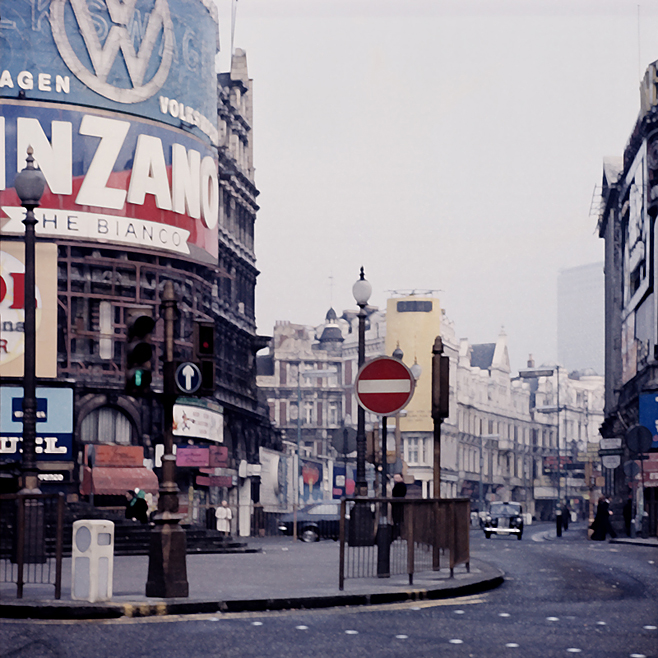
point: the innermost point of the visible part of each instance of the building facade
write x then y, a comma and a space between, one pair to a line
627, 225
500, 441
150, 179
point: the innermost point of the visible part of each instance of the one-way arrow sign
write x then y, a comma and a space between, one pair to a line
188, 377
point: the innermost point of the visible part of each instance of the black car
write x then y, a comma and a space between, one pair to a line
503, 519
316, 521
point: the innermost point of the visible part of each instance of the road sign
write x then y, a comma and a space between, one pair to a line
188, 377
384, 386
639, 439
610, 444
611, 461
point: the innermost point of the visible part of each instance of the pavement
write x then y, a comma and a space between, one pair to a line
581, 529
283, 575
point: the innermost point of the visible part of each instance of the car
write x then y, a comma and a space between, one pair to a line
317, 521
503, 519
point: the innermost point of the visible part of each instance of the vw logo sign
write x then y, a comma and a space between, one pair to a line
118, 25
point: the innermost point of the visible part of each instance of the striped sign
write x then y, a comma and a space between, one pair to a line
384, 386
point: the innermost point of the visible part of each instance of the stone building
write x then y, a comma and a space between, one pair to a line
145, 185
629, 205
501, 432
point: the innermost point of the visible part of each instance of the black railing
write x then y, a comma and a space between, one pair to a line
382, 537
31, 530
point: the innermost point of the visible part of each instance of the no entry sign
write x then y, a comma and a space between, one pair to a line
384, 386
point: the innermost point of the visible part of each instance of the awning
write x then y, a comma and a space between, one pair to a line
116, 480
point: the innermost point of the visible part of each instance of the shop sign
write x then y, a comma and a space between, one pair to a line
54, 438
151, 58
114, 455
192, 456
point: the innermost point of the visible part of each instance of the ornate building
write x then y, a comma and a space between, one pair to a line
146, 184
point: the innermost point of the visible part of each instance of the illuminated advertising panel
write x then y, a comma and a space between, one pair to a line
12, 310
150, 58
111, 178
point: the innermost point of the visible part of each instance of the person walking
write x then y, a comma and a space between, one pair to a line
224, 516
602, 526
566, 516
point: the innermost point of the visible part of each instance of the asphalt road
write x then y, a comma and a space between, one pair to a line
561, 598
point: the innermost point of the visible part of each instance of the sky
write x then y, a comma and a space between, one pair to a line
452, 146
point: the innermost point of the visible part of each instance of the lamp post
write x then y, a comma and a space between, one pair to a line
483, 438
361, 291
29, 185
534, 373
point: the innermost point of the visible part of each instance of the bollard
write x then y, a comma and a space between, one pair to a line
558, 523
92, 560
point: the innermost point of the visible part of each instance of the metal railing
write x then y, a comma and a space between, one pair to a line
382, 537
31, 529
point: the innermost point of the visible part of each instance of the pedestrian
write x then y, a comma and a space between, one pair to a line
130, 504
224, 515
141, 507
397, 509
566, 516
628, 514
602, 525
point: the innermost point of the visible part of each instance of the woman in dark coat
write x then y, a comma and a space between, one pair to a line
602, 526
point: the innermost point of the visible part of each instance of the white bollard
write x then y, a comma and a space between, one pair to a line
92, 560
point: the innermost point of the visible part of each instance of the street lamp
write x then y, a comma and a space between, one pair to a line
534, 373
29, 185
361, 291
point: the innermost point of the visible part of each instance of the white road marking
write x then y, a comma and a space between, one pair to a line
601, 623
574, 650
301, 628
649, 628
401, 637
256, 623
459, 612
552, 619
638, 655
512, 645
503, 614
456, 641
351, 632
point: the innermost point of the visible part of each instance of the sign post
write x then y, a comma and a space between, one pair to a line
384, 386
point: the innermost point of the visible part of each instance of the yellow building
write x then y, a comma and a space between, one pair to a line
413, 323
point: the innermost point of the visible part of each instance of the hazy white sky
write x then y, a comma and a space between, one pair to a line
451, 146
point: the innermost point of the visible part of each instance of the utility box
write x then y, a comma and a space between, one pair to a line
92, 560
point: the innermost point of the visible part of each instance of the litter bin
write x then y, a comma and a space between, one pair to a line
93, 560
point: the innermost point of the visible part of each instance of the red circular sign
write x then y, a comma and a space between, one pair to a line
384, 386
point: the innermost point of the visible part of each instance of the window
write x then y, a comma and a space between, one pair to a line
106, 425
308, 413
333, 413
412, 451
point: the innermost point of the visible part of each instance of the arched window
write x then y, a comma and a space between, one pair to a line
106, 425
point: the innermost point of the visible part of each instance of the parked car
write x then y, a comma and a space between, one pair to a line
503, 519
314, 522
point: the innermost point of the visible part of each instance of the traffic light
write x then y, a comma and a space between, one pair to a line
204, 355
139, 351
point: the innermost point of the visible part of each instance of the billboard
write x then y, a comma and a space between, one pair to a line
54, 440
150, 58
111, 178
12, 310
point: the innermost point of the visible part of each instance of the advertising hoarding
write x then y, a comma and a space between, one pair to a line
149, 58
649, 415
12, 312
54, 440
111, 178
